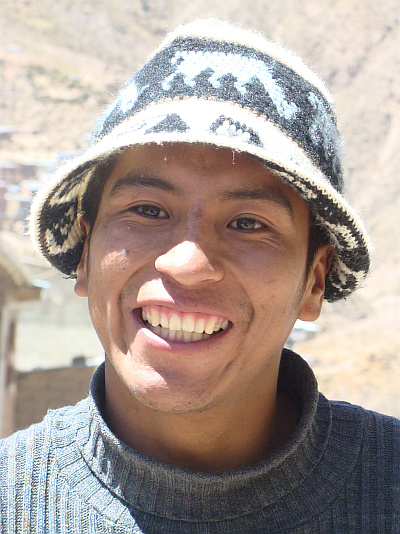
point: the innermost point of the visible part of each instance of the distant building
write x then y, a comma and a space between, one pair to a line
3, 201
13, 172
6, 132
302, 331
18, 184
15, 287
41, 389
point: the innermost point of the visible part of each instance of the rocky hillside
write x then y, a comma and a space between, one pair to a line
61, 62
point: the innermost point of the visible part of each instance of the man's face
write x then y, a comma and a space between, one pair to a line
198, 238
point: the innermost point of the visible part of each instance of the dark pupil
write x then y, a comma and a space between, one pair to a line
245, 224
151, 211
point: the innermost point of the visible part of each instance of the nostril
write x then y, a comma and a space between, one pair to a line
188, 263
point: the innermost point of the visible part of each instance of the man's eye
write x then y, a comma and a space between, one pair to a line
245, 223
153, 212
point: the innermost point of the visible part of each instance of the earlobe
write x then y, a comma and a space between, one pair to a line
81, 286
313, 296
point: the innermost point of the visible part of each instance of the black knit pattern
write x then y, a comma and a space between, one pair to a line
313, 113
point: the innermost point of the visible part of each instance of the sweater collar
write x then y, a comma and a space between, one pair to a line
300, 472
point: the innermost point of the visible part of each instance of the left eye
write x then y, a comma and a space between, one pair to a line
245, 223
153, 212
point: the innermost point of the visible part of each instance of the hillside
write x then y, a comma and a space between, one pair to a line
61, 62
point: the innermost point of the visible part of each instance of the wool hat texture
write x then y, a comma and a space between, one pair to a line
214, 83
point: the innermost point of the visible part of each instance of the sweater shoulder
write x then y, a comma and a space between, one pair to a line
373, 422
17, 442
379, 439
41, 434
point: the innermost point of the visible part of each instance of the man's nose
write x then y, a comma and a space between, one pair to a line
188, 264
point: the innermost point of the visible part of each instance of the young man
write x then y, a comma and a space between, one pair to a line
203, 221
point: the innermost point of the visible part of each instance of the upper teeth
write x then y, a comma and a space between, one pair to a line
185, 322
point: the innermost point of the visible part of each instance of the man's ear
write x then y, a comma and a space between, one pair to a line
313, 296
81, 285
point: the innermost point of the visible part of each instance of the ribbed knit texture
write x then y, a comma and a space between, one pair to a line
339, 473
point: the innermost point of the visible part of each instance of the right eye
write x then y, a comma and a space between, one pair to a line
246, 224
151, 212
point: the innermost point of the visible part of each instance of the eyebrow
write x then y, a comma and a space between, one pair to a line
138, 179
134, 179
269, 194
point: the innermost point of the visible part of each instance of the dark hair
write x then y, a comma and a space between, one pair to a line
92, 196
317, 237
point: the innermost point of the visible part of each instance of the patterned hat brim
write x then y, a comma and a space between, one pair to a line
55, 225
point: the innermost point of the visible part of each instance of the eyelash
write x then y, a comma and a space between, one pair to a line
141, 210
257, 224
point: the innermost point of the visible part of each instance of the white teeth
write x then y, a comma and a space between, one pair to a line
188, 323
187, 336
171, 334
175, 322
178, 335
199, 326
209, 327
196, 336
154, 319
186, 329
164, 320
164, 332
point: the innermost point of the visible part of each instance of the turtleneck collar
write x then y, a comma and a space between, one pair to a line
302, 477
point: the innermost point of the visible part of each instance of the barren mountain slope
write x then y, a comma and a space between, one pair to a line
74, 56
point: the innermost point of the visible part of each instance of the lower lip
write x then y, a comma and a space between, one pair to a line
158, 342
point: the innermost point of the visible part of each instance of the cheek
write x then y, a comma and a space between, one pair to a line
107, 271
105, 275
267, 267
276, 282
105, 282
125, 244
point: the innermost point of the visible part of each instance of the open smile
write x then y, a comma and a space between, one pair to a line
173, 325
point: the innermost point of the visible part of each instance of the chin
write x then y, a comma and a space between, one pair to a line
165, 387
167, 398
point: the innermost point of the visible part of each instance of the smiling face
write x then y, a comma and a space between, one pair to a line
195, 275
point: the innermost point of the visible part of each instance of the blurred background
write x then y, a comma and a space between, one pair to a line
62, 62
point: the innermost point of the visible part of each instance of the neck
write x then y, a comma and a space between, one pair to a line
215, 440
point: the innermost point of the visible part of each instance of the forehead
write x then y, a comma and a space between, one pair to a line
196, 165
196, 157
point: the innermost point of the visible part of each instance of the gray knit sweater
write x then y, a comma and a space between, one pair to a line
339, 473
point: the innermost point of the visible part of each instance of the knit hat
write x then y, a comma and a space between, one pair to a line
214, 83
